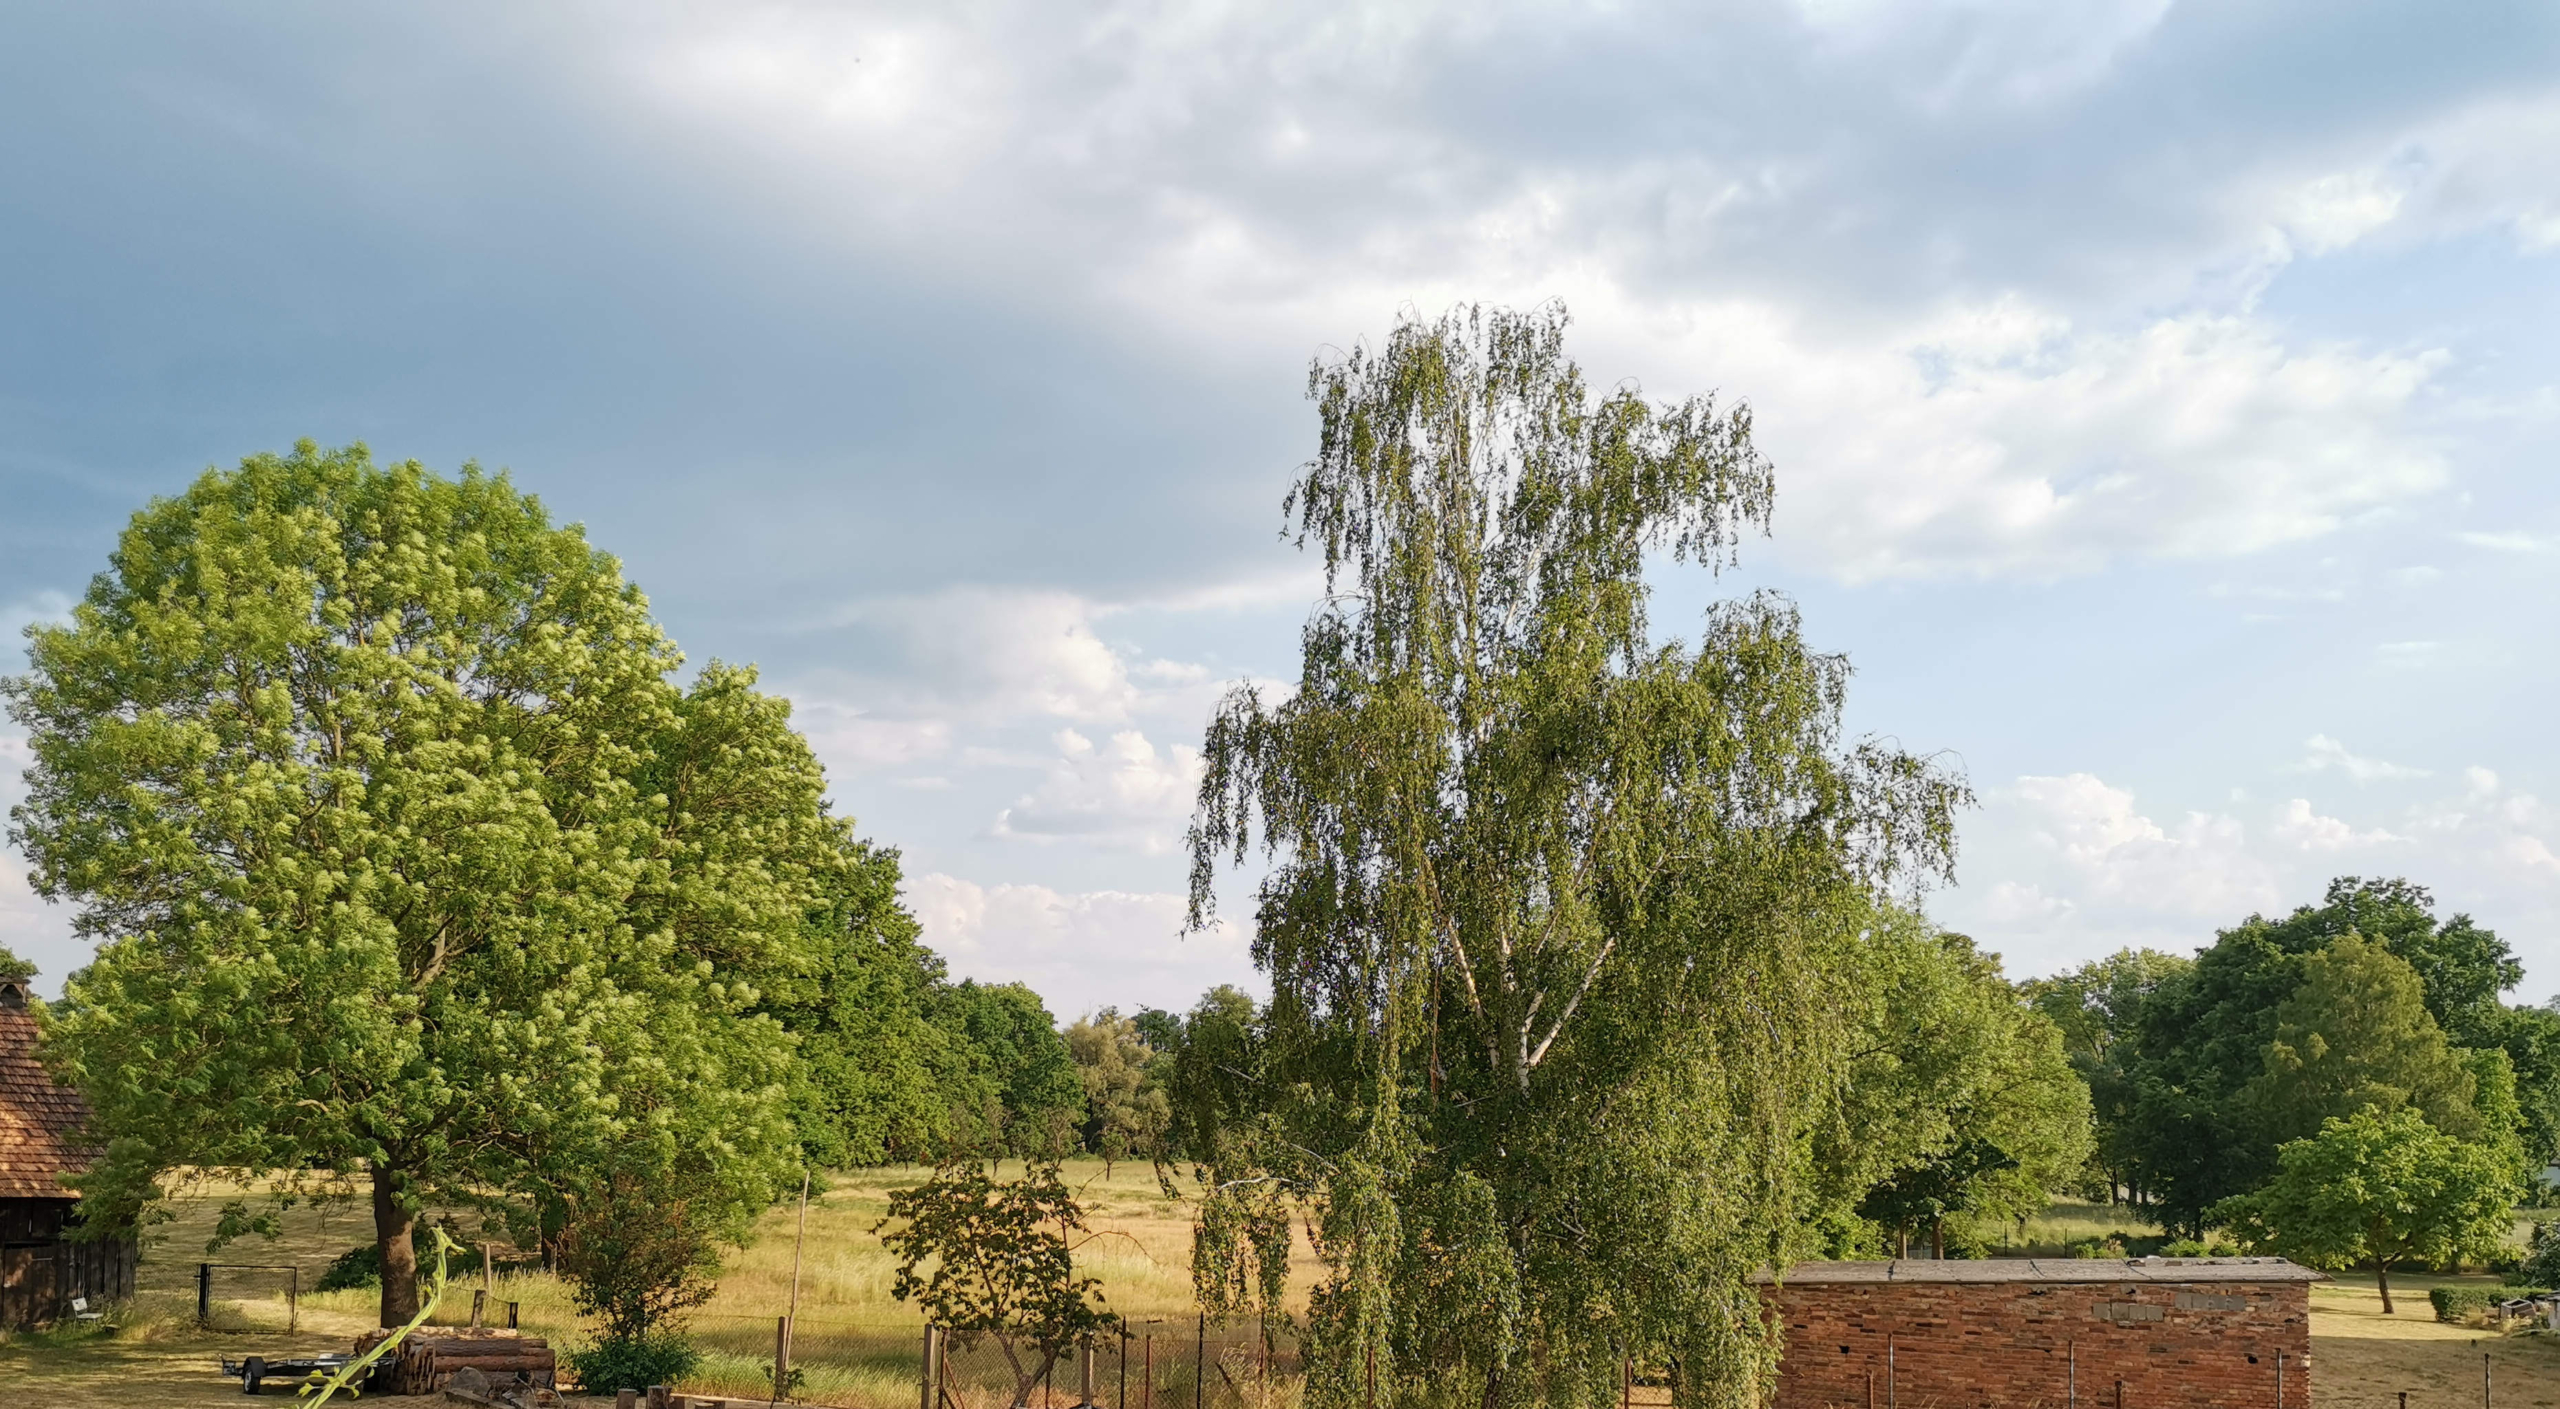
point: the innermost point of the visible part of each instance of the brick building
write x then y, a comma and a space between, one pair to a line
41, 1268
2021, 1333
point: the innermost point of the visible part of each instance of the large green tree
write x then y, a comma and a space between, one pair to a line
1555, 907
877, 1077
406, 858
2378, 1191
2356, 1035
1125, 1109
2196, 1131
1013, 1066
2095, 1008
1958, 1102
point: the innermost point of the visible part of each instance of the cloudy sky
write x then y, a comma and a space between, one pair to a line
2163, 396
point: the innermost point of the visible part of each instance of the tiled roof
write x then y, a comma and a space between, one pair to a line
2056, 1269
37, 1118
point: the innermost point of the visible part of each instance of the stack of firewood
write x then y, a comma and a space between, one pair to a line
428, 1357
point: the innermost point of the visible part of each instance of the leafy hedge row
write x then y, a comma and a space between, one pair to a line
2461, 1304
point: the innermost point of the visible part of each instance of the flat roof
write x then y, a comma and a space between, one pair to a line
2053, 1269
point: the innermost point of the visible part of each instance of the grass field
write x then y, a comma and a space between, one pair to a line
857, 1345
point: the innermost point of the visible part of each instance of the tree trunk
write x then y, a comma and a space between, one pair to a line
2382, 1280
1938, 1239
393, 1222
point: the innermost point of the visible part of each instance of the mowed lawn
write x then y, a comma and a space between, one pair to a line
856, 1344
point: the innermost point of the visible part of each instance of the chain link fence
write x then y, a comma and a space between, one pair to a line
1157, 1364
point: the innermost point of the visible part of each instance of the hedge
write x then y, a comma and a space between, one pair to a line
2460, 1304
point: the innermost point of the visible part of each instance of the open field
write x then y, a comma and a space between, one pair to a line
858, 1346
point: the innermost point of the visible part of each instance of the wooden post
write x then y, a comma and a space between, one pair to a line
1148, 1394
2484, 1380
1200, 1362
1373, 1375
479, 1306
293, 1301
2119, 1394
2071, 1390
626, 1399
512, 1308
204, 1293
489, 1269
1084, 1373
924, 1398
791, 1313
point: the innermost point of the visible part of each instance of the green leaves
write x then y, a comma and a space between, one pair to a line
984, 1258
2379, 1190
1553, 907
403, 852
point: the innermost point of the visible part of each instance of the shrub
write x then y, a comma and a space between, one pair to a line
2191, 1247
2540, 1267
2108, 1247
362, 1266
2462, 1305
633, 1362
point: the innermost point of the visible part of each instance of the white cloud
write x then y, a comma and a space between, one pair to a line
2061, 870
990, 654
2325, 753
2200, 868
2299, 826
1121, 793
2510, 542
1080, 950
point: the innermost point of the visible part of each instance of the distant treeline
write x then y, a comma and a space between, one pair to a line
2200, 1069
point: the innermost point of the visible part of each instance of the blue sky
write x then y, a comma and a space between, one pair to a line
2163, 396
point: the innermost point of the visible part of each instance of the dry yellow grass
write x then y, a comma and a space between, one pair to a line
2362, 1359
856, 1345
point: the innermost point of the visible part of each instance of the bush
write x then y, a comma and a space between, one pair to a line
2109, 1247
2190, 1247
633, 1363
2541, 1266
362, 1266
2463, 1305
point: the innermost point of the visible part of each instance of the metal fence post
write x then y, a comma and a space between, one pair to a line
1200, 1362
293, 1302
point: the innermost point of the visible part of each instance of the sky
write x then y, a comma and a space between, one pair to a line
2163, 397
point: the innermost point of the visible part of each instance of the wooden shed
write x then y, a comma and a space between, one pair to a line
42, 1270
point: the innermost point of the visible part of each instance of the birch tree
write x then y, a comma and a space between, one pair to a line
1554, 905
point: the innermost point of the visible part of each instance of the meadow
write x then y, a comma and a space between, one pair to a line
857, 1346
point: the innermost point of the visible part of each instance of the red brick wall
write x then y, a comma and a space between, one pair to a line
2012, 1345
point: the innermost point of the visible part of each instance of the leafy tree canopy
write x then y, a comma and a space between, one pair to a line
13, 967
2356, 1034
2378, 1191
1555, 908
2095, 1009
997, 1259
1958, 1101
1125, 1112
2194, 1133
1033, 1098
405, 856
877, 1078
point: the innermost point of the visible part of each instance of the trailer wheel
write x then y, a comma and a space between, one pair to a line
253, 1371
